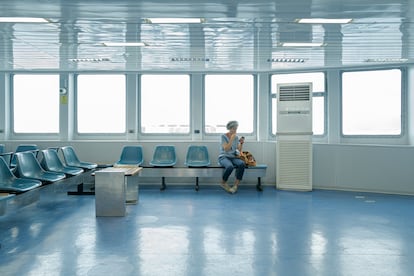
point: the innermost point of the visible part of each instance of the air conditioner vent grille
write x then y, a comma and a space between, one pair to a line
294, 93
294, 163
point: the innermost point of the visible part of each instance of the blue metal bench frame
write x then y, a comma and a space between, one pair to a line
258, 171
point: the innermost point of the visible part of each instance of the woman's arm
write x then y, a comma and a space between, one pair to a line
227, 145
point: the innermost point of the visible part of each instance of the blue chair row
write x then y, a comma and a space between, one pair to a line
27, 172
10, 183
27, 166
164, 156
52, 162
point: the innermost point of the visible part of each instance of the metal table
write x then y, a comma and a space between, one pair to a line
114, 188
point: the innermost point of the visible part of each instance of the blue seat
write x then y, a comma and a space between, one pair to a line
51, 162
22, 148
131, 156
10, 183
6, 155
29, 167
197, 156
164, 156
72, 160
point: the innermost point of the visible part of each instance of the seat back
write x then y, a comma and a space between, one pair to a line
51, 160
72, 160
69, 154
197, 156
164, 156
2, 147
131, 155
6, 175
10, 183
27, 165
22, 148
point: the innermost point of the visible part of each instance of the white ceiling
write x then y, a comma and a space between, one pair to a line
237, 35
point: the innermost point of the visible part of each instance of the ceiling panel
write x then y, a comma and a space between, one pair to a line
235, 36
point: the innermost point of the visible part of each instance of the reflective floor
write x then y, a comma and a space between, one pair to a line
183, 232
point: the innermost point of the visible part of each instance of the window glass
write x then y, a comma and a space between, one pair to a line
101, 104
165, 104
318, 100
371, 102
229, 97
35, 103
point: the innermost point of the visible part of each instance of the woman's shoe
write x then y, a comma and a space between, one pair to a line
226, 187
233, 189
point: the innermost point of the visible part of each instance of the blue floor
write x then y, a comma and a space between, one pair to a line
183, 232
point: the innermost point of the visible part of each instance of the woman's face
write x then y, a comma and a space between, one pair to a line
233, 130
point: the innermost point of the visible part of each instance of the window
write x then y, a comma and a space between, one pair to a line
35, 103
318, 97
165, 104
101, 104
229, 97
371, 102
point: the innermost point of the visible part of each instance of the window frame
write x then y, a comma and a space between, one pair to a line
323, 94
213, 136
164, 136
403, 107
30, 135
91, 135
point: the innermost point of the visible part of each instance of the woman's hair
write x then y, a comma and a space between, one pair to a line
232, 124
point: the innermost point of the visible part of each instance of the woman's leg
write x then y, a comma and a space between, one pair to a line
228, 168
240, 165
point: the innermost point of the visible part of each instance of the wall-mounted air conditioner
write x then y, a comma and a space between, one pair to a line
294, 108
294, 136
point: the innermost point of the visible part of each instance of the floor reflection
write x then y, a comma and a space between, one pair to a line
183, 232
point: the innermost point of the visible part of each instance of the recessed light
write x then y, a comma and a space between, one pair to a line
89, 59
23, 20
175, 20
324, 20
302, 44
124, 44
386, 60
189, 59
286, 60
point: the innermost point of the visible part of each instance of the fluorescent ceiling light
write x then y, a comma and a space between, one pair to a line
324, 20
302, 44
124, 44
175, 20
190, 59
386, 60
23, 20
89, 59
287, 60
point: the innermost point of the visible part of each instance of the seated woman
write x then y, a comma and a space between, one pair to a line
230, 149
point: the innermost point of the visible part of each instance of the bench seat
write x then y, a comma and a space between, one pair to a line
258, 171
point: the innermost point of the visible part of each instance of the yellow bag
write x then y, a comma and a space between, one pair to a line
248, 158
